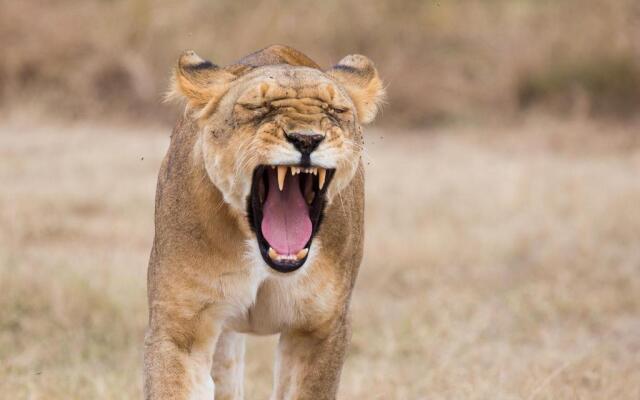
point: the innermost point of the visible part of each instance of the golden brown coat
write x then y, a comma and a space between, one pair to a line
207, 283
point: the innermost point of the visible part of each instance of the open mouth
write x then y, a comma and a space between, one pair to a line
285, 211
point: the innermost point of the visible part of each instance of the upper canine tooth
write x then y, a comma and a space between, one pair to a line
321, 177
282, 172
302, 253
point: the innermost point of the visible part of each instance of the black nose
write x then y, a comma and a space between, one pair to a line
305, 142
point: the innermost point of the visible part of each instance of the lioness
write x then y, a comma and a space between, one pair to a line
259, 223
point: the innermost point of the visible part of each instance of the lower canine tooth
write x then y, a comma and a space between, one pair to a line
309, 194
272, 254
302, 253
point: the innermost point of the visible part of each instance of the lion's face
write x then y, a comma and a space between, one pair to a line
280, 143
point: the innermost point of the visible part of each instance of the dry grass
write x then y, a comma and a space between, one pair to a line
444, 60
497, 267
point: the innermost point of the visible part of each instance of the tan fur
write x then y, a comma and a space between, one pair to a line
207, 282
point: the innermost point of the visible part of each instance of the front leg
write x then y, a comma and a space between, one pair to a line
228, 366
178, 356
308, 363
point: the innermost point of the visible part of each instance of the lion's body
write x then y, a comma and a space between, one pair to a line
207, 283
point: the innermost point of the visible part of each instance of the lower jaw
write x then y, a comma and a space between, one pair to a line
283, 266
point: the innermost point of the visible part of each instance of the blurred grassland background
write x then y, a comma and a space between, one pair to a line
443, 61
502, 253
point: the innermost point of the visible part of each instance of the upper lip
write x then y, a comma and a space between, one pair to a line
319, 178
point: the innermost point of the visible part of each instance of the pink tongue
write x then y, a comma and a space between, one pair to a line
285, 221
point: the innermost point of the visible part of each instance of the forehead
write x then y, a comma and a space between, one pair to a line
284, 81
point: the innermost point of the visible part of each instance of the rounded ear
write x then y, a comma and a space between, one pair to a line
358, 75
199, 81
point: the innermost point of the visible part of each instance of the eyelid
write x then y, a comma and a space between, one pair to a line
250, 106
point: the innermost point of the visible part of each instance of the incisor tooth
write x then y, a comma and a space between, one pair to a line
302, 254
282, 172
322, 174
272, 254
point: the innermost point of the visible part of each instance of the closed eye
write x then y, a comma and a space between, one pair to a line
251, 112
340, 110
253, 107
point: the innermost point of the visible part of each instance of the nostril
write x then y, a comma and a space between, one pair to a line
305, 142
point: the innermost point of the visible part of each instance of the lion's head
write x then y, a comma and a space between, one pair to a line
280, 138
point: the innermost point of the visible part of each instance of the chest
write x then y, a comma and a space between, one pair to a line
288, 302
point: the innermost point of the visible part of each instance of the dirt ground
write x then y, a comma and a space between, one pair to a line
500, 263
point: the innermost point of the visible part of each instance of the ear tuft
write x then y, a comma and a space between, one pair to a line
198, 80
359, 77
